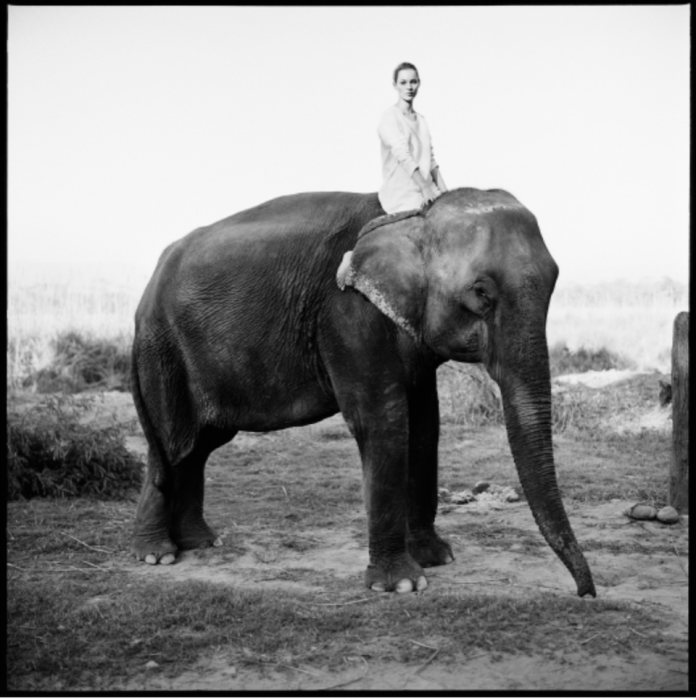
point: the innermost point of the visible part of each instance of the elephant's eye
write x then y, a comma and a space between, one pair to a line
483, 300
481, 295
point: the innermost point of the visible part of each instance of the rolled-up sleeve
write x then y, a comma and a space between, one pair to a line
433, 163
396, 138
426, 134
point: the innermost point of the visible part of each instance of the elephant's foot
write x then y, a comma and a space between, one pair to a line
151, 541
429, 549
403, 575
158, 551
195, 533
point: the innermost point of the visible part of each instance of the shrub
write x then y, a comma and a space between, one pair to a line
572, 409
51, 454
563, 361
469, 396
81, 362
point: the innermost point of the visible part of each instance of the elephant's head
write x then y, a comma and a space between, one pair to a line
471, 279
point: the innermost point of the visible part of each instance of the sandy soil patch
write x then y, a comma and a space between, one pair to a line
596, 379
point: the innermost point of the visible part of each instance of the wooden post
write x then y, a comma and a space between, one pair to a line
679, 476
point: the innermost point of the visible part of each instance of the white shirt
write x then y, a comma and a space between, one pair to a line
405, 146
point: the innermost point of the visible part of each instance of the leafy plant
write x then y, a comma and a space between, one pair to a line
80, 362
50, 453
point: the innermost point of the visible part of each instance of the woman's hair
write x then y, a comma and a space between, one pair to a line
403, 66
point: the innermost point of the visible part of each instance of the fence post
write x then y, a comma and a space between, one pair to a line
679, 475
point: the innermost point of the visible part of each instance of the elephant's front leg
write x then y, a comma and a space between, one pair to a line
381, 428
424, 544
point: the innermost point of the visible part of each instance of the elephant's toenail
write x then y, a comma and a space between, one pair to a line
404, 586
377, 587
150, 559
422, 583
218, 542
167, 559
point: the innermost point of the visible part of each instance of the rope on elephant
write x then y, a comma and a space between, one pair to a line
388, 219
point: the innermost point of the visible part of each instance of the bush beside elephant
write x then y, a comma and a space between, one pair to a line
245, 326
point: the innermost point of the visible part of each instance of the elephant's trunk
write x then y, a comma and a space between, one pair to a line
525, 383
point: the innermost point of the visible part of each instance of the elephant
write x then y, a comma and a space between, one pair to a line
317, 303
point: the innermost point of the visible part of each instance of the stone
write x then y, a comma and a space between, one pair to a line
480, 487
668, 515
641, 511
443, 495
463, 497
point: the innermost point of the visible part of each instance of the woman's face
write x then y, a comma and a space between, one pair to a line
407, 84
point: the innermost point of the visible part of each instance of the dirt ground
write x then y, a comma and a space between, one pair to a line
656, 580
652, 574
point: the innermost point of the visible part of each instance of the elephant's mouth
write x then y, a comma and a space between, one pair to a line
465, 356
460, 347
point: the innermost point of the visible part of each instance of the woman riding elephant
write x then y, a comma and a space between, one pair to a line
411, 177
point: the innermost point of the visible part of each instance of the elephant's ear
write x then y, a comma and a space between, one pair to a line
388, 268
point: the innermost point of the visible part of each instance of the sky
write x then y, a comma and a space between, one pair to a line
128, 127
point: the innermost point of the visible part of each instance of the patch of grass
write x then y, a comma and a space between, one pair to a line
80, 361
297, 543
335, 433
177, 623
629, 547
564, 361
592, 412
468, 396
571, 410
628, 467
467, 457
593, 464
50, 453
283, 480
496, 535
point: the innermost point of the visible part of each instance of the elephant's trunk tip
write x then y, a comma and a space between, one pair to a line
586, 588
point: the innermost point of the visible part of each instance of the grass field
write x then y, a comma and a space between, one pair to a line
282, 602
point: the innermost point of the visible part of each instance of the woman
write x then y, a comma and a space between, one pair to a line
412, 178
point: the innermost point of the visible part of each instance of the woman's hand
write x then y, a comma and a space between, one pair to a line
430, 193
429, 190
438, 180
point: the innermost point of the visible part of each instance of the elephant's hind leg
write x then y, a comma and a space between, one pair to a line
424, 544
170, 511
151, 539
188, 528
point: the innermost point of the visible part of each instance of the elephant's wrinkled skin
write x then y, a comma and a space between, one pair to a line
244, 327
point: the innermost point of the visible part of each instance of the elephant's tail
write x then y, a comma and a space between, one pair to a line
157, 457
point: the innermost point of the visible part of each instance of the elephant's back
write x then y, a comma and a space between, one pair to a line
280, 226
472, 201
294, 236
324, 208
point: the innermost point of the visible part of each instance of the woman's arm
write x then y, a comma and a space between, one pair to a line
437, 179
429, 193
393, 136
